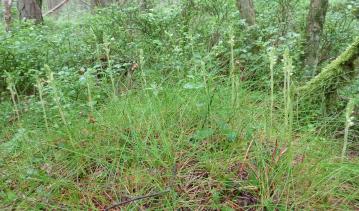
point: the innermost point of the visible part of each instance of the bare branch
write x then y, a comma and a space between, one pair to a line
56, 7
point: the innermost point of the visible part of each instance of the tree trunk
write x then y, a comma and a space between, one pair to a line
30, 10
246, 9
39, 3
315, 23
285, 15
7, 14
145, 4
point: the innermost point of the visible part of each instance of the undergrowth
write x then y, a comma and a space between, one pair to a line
143, 143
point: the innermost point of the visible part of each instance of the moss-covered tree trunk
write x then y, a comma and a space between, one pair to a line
315, 24
247, 12
338, 74
30, 10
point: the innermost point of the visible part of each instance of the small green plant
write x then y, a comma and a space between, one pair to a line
141, 66
40, 89
272, 62
233, 77
88, 78
106, 47
348, 123
12, 88
56, 96
287, 91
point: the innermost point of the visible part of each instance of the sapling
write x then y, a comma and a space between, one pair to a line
348, 123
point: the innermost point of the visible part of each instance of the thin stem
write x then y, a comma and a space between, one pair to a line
348, 124
233, 85
89, 96
40, 89
272, 60
142, 62
13, 98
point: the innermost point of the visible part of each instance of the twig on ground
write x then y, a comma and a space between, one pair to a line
136, 199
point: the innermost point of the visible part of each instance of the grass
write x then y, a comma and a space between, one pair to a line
143, 143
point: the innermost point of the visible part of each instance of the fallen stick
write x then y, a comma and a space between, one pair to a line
136, 199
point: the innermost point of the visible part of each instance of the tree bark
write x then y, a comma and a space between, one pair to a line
7, 14
30, 10
315, 24
246, 9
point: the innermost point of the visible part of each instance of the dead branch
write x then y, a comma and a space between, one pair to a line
56, 7
136, 199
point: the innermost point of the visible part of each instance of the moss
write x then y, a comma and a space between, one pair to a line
335, 75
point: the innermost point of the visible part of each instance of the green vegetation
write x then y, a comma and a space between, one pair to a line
183, 103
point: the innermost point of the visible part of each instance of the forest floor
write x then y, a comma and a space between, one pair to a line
193, 148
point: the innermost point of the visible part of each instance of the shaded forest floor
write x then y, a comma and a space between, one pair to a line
210, 153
